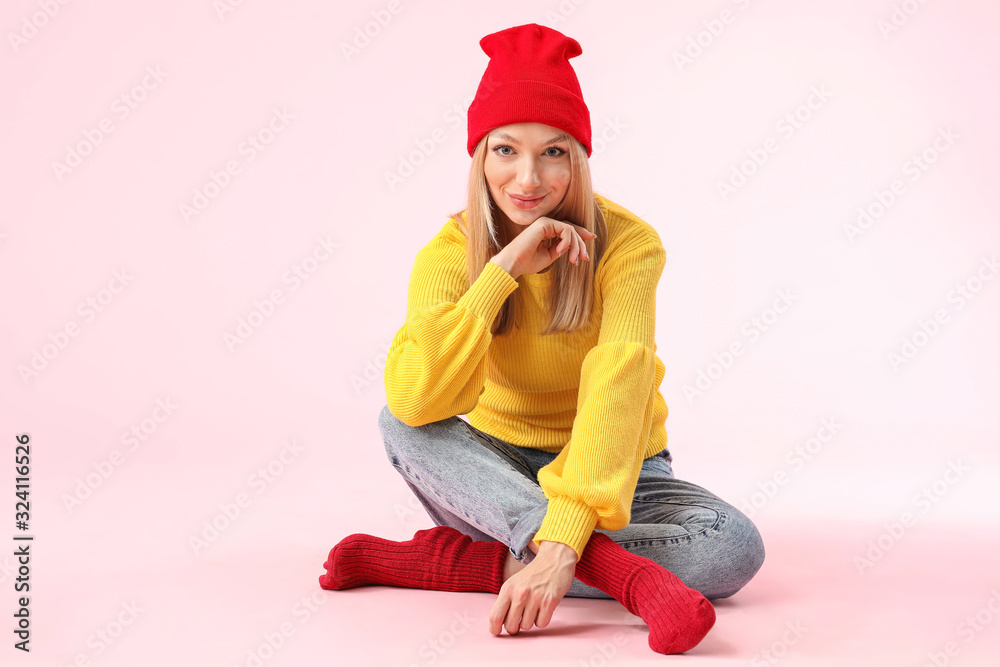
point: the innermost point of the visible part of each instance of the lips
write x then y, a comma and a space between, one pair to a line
525, 203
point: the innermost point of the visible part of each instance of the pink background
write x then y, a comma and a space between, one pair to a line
311, 372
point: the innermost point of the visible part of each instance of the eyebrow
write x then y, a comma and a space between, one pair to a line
507, 137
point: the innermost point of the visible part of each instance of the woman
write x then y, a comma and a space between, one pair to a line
532, 312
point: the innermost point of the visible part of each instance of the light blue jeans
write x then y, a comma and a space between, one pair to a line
489, 490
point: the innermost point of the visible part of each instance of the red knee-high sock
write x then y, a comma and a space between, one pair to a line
678, 617
440, 558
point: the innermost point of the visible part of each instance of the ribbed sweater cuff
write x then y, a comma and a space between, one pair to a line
488, 293
568, 521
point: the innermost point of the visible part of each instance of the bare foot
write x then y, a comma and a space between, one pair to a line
512, 566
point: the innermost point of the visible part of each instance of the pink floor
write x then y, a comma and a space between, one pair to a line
809, 605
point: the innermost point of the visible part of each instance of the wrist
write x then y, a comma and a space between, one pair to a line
505, 264
557, 550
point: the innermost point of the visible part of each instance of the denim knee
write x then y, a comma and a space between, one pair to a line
401, 440
387, 422
385, 418
744, 554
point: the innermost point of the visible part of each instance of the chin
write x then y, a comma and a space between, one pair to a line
524, 218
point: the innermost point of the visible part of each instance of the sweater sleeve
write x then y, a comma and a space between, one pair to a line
436, 364
591, 482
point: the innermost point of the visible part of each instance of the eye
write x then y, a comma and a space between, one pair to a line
496, 150
556, 148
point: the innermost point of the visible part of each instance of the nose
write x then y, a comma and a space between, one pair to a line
527, 174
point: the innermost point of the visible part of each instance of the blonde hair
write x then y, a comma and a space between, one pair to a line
571, 290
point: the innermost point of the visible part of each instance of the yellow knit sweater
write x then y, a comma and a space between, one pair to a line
592, 396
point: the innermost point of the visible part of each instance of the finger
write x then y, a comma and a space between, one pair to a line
545, 611
553, 251
498, 613
513, 621
530, 614
587, 238
572, 245
562, 246
550, 231
577, 252
567, 242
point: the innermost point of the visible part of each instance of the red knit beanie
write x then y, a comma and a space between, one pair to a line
529, 80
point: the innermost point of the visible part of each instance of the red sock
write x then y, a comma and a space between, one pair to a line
440, 558
678, 617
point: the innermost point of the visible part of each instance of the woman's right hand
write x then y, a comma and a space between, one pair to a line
541, 243
529, 597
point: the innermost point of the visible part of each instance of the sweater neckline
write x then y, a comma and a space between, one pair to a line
538, 278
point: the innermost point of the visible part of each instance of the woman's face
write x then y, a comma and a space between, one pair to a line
527, 161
